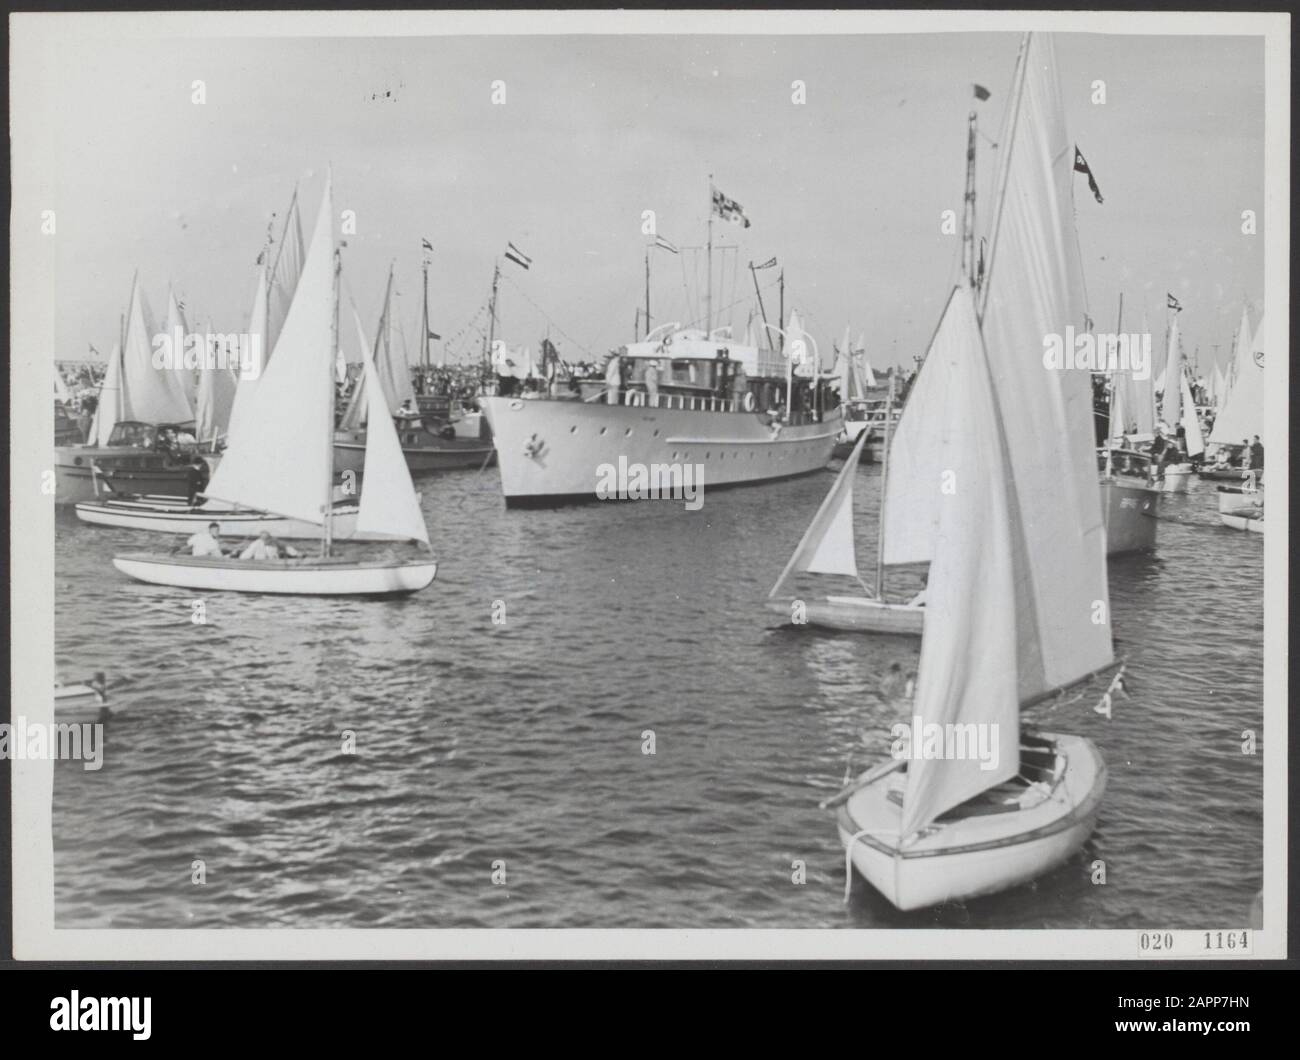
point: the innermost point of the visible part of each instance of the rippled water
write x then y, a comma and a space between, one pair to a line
522, 742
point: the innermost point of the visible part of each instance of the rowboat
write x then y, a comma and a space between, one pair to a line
81, 703
1017, 561
1242, 509
280, 461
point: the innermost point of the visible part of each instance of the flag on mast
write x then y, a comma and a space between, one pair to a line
1081, 166
729, 209
768, 264
518, 256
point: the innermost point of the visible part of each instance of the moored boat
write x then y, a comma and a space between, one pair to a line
1241, 509
173, 516
82, 702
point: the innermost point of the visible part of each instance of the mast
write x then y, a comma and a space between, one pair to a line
1110, 426
884, 478
424, 321
327, 530
708, 289
647, 294
492, 314
968, 211
759, 295
781, 281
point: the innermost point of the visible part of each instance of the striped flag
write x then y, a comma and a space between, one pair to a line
518, 256
663, 244
769, 263
1172, 303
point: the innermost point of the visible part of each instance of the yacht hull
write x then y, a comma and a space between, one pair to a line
857, 614
1131, 511
553, 452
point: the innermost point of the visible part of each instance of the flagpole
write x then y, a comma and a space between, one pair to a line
759, 295
708, 290
781, 280
884, 479
647, 294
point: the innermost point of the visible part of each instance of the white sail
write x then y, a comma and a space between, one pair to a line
1171, 407
388, 500
285, 274
354, 416
257, 333
1190, 424
1242, 413
281, 459
149, 394
216, 394
1033, 288
61, 392
928, 457
108, 410
176, 324
394, 368
827, 545
868, 376
1218, 387
967, 672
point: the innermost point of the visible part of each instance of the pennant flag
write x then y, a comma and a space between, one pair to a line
1172, 303
769, 263
981, 92
427, 245
663, 244
729, 209
518, 256
435, 337
1081, 166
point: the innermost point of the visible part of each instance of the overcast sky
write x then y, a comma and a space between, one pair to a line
846, 190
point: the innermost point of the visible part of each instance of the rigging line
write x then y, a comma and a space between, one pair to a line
549, 319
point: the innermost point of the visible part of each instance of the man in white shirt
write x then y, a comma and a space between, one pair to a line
266, 547
206, 542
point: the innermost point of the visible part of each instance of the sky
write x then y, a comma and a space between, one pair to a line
847, 189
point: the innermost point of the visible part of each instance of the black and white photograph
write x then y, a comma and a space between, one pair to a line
721, 484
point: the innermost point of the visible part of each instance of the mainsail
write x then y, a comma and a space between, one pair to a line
1171, 407
1191, 425
281, 459
967, 674
354, 416
1242, 412
149, 394
176, 325
285, 275
1033, 288
108, 410
216, 393
248, 381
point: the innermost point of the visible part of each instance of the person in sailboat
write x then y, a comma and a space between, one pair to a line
266, 547
206, 542
1256, 455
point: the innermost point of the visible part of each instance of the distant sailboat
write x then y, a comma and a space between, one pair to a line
1017, 566
281, 462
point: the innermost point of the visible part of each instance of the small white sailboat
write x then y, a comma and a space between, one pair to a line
827, 547
281, 462
1017, 565
82, 702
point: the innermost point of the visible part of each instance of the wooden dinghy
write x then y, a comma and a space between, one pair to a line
280, 461
1006, 836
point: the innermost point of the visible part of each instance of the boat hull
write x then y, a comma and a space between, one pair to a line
304, 577
552, 452
1241, 510
1131, 511
1177, 479
120, 471
857, 614
452, 454
159, 517
1228, 474
978, 855
78, 704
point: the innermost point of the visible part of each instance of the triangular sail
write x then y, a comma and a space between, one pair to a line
61, 392
176, 325
354, 416
149, 394
1242, 412
827, 545
108, 410
868, 376
388, 500
1171, 407
1190, 424
248, 381
285, 275
1033, 288
967, 673
216, 395
281, 458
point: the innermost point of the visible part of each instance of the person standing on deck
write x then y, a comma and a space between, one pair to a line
1257, 455
652, 382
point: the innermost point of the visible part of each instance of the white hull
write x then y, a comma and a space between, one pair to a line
1177, 479
1240, 510
76, 704
308, 577
857, 614
236, 523
553, 450
971, 856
